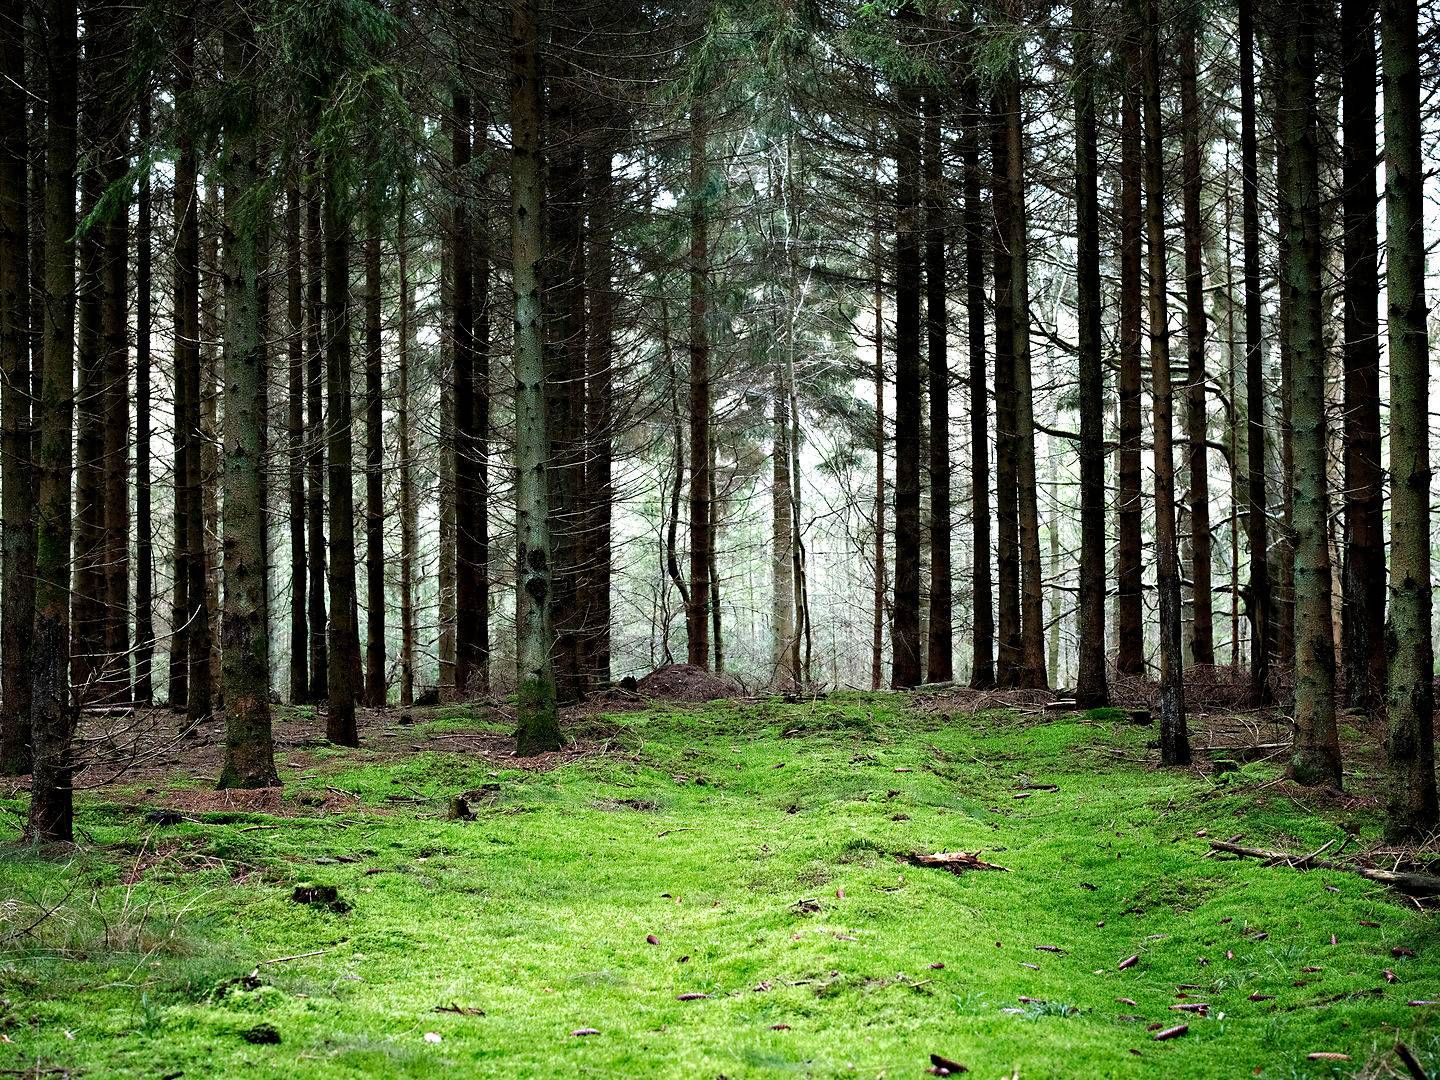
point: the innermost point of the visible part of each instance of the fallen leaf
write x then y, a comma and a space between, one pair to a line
1172, 1033
943, 1066
1128, 962
1401, 950
652, 939
1049, 948
690, 997
1369, 922
1126, 1001
779, 1027
1323, 1055
937, 965
1201, 1007
1421, 1002
1262, 997
585, 1031
1032, 967
1311, 967
1390, 976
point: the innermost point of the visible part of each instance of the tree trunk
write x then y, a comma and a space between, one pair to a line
1090, 684
315, 448
376, 688
1007, 514
1412, 808
295, 446
1364, 563
1196, 427
538, 724
1259, 599
52, 713
17, 506
144, 691
1129, 568
1032, 601
1316, 758
344, 634
1174, 741
782, 541
939, 656
877, 630
697, 616
905, 630
982, 667
409, 524
600, 375
245, 635
207, 426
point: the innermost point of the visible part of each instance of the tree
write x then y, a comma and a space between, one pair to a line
245, 635
52, 713
1412, 806
1129, 569
939, 657
697, 612
295, 449
1363, 624
17, 589
538, 724
375, 682
1316, 758
1174, 741
1090, 686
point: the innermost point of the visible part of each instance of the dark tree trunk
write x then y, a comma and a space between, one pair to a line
1090, 685
144, 543
1412, 807
600, 266
939, 656
877, 630
315, 445
1174, 740
982, 670
245, 633
52, 713
17, 506
1364, 563
1007, 514
409, 524
697, 615
1129, 569
1259, 598
1196, 427
375, 682
905, 629
295, 448
344, 634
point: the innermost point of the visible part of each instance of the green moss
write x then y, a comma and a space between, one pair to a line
757, 845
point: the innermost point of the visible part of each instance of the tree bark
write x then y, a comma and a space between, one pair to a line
1129, 567
1202, 645
295, 447
538, 725
1363, 631
315, 446
697, 615
409, 523
1259, 599
600, 376
53, 717
144, 691
1412, 808
376, 688
1174, 741
245, 634
1007, 519
1091, 689
939, 656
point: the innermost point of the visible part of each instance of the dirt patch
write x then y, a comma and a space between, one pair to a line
686, 682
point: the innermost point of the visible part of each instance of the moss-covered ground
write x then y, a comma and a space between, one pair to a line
746, 853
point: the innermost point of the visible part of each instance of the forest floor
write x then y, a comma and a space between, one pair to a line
711, 890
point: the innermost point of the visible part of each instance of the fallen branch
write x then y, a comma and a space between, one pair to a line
1417, 884
957, 862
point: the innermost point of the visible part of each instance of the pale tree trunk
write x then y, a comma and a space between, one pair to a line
538, 724
409, 523
295, 447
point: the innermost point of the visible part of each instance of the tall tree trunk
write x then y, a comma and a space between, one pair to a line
1129, 569
245, 633
409, 517
315, 444
17, 506
697, 616
1174, 740
600, 375
877, 630
295, 446
782, 540
477, 518
982, 667
538, 723
1412, 809
1259, 596
1316, 758
52, 713
1007, 514
1090, 685
1032, 604
939, 656
344, 634
375, 682
1196, 427
1364, 562
208, 430
144, 691
905, 630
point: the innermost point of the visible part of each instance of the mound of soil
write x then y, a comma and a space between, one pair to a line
686, 682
